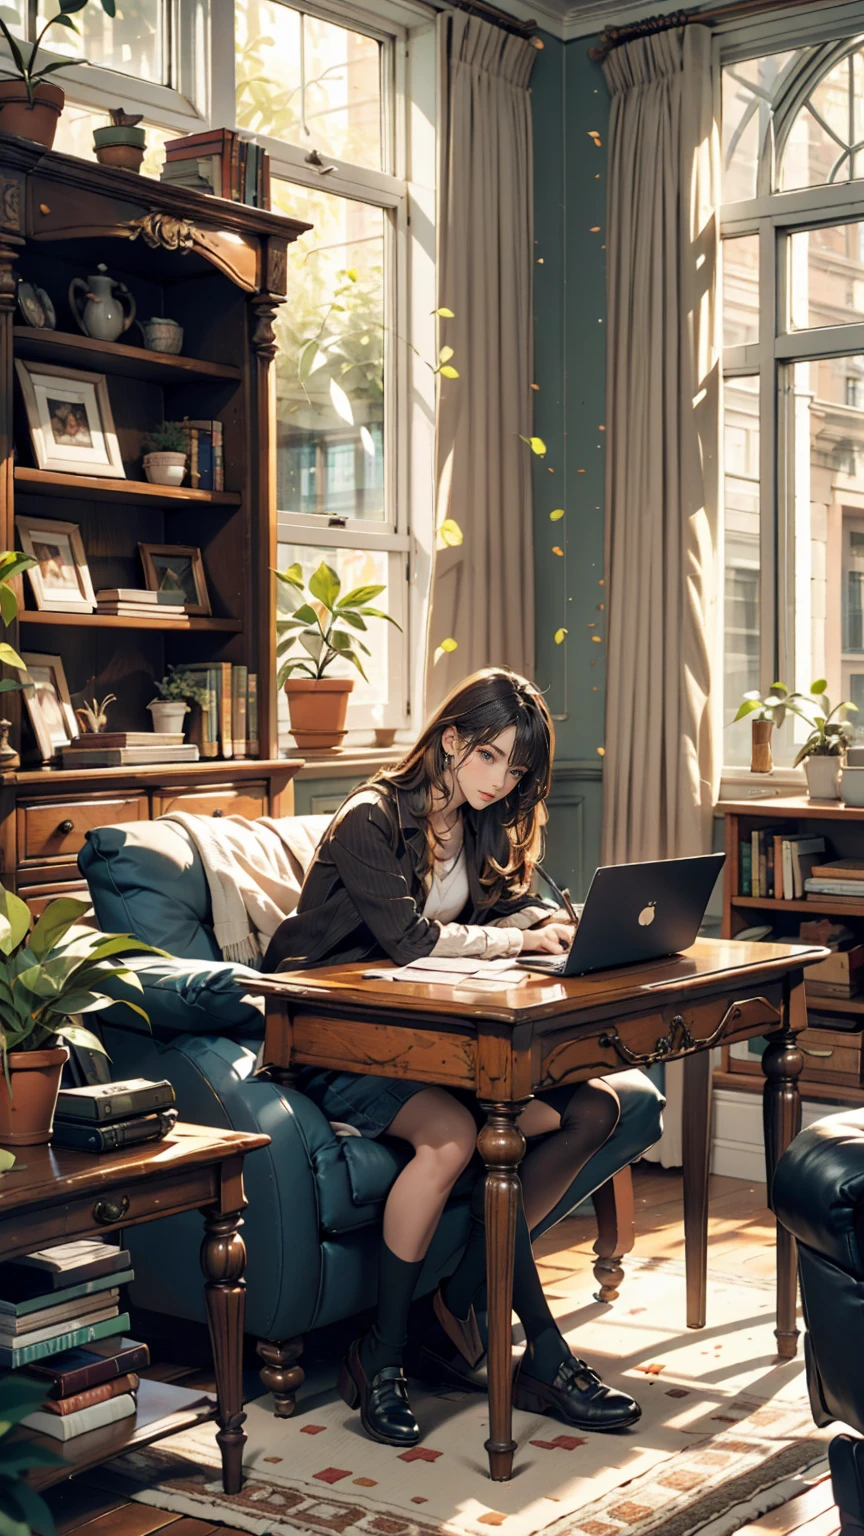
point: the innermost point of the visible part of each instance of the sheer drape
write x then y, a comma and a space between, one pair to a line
483, 589
662, 486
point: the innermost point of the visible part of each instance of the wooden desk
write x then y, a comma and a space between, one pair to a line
545, 1032
61, 1195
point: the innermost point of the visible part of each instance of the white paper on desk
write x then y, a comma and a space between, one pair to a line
455, 972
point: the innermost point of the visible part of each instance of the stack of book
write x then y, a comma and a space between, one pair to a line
134, 603
118, 749
102, 1117
841, 881
60, 1297
88, 1387
205, 454
229, 728
222, 163
775, 863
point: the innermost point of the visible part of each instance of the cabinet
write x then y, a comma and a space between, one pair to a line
832, 1043
221, 269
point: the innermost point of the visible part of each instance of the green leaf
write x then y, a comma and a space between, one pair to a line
747, 707
449, 534
16, 921
64, 21
9, 657
67, 1029
353, 619
12, 563
9, 685
559, 636
556, 516
355, 659
7, 1161
37, 1515
358, 596
8, 604
536, 444
447, 371
446, 314
292, 576
449, 645
306, 614
820, 685
376, 613
325, 585
109, 8
57, 918
312, 644
445, 354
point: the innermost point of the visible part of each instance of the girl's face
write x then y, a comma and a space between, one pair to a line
483, 774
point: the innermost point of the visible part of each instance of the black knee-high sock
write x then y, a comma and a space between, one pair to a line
385, 1341
545, 1342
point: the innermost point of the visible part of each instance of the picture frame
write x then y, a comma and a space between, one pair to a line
169, 568
70, 420
49, 707
61, 578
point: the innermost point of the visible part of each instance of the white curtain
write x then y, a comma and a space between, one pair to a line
483, 589
662, 485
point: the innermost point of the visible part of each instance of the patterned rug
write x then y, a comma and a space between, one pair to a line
725, 1434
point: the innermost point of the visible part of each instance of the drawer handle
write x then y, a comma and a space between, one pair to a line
218, 813
66, 826
679, 1039
106, 1212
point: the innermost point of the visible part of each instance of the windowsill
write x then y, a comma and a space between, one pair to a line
350, 762
741, 784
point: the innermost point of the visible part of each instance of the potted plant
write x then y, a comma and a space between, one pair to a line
22, 1509
824, 752
165, 460
48, 977
122, 143
764, 714
30, 105
325, 628
176, 691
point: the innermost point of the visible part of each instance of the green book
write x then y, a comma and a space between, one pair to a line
71, 1293
10, 1356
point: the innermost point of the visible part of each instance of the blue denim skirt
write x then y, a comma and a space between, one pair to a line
370, 1104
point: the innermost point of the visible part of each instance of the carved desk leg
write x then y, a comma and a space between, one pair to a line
696, 1137
223, 1259
781, 1112
502, 1148
613, 1207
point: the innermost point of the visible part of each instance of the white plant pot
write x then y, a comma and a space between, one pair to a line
168, 714
165, 468
823, 777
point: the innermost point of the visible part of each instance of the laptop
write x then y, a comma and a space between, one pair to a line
636, 912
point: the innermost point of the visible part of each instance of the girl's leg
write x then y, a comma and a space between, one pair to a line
582, 1120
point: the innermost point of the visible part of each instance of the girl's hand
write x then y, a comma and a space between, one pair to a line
560, 915
551, 939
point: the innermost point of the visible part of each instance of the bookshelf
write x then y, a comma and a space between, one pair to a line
834, 1068
219, 268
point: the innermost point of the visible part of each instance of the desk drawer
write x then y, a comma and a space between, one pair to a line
55, 829
249, 800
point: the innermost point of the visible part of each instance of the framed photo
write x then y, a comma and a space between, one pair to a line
177, 572
60, 579
69, 415
46, 695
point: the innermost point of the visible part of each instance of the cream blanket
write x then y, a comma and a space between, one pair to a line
254, 870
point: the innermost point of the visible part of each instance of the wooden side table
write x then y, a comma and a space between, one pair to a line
61, 1195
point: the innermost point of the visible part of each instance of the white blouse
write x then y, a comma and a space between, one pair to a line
446, 897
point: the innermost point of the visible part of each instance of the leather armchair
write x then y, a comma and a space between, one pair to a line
312, 1224
818, 1195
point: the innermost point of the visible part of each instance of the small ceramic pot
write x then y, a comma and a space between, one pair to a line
317, 708
37, 123
165, 468
761, 760
168, 714
161, 334
852, 786
823, 777
385, 735
120, 146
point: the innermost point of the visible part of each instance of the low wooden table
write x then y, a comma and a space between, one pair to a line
58, 1195
545, 1032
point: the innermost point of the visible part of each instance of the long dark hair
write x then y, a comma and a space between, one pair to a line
508, 836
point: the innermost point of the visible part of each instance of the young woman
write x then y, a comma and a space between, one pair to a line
435, 857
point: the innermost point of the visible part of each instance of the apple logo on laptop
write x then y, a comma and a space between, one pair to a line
646, 916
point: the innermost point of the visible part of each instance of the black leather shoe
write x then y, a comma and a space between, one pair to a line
385, 1411
577, 1395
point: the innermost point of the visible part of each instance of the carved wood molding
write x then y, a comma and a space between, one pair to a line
9, 251
163, 229
11, 203
264, 309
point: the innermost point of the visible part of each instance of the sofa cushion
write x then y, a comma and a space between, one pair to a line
187, 997
146, 878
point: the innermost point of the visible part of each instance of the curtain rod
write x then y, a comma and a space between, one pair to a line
491, 13
613, 37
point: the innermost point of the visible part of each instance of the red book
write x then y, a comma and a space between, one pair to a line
75, 1370
102, 1394
196, 143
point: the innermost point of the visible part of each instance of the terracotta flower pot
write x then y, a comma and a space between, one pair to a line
120, 145
761, 760
27, 1117
317, 707
39, 122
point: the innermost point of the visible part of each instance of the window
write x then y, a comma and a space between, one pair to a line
793, 291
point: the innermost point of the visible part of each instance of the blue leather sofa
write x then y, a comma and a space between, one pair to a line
312, 1224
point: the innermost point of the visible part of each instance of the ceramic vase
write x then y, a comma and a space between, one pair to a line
761, 760
823, 776
168, 714
103, 307
165, 468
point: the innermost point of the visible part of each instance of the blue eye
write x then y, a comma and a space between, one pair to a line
487, 755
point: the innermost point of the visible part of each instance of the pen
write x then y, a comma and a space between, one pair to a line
565, 897
562, 896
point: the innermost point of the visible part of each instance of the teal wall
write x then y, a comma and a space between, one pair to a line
570, 104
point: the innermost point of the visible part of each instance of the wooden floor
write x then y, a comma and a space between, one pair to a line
739, 1229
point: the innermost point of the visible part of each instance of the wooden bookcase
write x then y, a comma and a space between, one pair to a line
838, 1077
220, 269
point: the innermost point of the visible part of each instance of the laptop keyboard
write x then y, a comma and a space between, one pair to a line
553, 964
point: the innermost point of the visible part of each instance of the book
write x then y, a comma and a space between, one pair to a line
32, 1331
754, 858
226, 738
127, 595
119, 1133
115, 1101
239, 692
65, 1264
127, 739
42, 1311
101, 1394
204, 725
834, 888
252, 748
745, 867
14, 1355
839, 869
118, 757
67, 1426
18, 1298
218, 458
100, 1360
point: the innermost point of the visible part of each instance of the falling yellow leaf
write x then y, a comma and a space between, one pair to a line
580, 471
449, 372
557, 550
601, 429
601, 606
601, 752
556, 516
445, 354
559, 635
594, 230
598, 639
449, 645
540, 261
446, 314
593, 134
449, 534
7, 1160
535, 386
601, 582
536, 444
